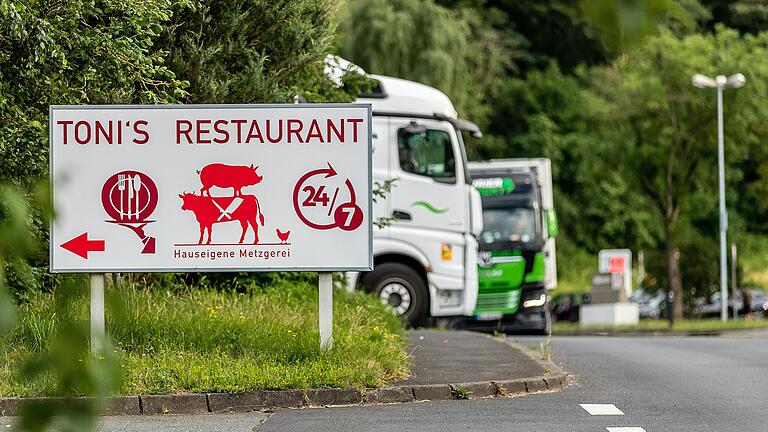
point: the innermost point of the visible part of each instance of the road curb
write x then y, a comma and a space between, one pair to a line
630, 333
425, 392
111, 405
10, 406
333, 397
255, 401
553, 379
397, 394
174, 404
273, 399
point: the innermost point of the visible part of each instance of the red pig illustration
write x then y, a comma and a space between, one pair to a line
228, 176
210, 210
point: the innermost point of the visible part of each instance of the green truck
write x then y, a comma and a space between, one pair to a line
517, 265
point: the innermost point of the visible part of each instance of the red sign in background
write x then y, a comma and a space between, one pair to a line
616, 265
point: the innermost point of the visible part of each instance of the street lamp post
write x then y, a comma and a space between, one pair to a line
720, 83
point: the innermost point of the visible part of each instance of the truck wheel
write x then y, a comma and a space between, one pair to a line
547, 318
400, 287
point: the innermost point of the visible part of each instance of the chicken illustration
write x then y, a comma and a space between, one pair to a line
283, 236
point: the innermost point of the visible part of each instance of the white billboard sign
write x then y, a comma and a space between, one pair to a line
211, 188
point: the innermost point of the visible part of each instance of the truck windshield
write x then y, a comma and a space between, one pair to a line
429, 154
508, 224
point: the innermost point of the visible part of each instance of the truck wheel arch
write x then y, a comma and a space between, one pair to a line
407, 260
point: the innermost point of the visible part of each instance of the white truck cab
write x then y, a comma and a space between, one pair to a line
425, 261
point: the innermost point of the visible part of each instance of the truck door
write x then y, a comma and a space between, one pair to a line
381, 168
430, 191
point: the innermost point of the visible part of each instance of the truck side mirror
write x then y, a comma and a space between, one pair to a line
413, 128
551, 215
476, 212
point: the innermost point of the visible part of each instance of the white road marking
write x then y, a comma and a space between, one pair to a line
601, 409
625, 429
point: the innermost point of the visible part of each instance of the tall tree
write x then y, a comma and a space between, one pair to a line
624, 24
453, 50
748, 16
246, 51
63, 52
553, 30
554, 115
79, 51
659, 133
71, 52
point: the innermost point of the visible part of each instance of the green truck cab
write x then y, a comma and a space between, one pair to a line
516, 262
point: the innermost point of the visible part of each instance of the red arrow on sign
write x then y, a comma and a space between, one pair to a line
80, 245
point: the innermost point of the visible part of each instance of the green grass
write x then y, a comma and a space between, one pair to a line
662, 325
461, 392
208, 341
752, 256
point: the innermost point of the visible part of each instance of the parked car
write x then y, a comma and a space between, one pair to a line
566, 307
651, 306
711, 309
758, 302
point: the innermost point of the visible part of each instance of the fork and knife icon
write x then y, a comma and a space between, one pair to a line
129, 205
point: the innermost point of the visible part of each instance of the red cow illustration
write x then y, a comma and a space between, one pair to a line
210, 210
228, 176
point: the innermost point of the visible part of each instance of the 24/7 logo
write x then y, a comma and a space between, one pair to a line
323, 202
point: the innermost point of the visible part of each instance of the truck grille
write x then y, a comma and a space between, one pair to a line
496, 286
503, 300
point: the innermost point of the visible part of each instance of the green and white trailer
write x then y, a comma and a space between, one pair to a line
516, 263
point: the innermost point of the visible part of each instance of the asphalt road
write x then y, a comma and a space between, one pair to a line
660, 384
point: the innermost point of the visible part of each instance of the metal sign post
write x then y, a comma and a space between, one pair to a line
723, 210
325, 310
97, 312
734, 283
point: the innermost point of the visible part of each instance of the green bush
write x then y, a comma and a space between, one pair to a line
148, 52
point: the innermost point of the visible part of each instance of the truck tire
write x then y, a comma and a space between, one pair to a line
547, 321
402, 288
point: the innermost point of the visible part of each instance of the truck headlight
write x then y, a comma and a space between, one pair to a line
535, 302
